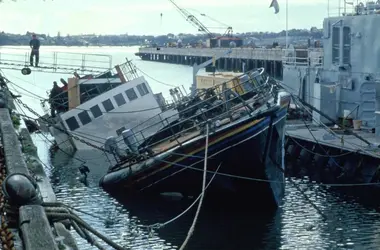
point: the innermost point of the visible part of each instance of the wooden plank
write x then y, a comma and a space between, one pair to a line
73, 93
35, 229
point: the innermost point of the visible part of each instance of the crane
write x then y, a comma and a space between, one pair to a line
193, 20
229, 30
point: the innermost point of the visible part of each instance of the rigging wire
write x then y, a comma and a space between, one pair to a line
321, 155
46, 138
315, 139
329, 130
154, 79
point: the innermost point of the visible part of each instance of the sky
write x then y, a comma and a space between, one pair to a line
138, 17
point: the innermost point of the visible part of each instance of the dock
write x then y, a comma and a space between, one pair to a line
25, 223
270, 59
240, 59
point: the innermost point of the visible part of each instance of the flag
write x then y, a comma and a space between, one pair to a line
275, 5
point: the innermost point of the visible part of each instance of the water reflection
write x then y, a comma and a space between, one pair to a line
221, 225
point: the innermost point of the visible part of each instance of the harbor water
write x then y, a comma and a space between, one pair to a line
349, 223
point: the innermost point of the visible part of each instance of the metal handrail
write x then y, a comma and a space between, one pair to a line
260, 72
53, 60
312, 57
227, 113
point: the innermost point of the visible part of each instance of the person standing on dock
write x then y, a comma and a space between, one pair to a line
35, 46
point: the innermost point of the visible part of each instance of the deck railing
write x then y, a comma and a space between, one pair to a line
336, 8
127, 69
63, 62
303, 57
224, 108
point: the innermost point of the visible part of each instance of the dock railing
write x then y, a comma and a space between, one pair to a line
193, 116
303, 57
55, 61
337, 8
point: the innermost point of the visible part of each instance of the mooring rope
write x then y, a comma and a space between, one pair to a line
160, 225
191, 230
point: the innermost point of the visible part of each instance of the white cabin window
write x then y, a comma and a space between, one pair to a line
346, 45
84, 117
72, 123
335, 44
143, 90
131, 94
119, 99
96, 112
108, 106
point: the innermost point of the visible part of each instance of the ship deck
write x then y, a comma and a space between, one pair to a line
296, 129
177, 139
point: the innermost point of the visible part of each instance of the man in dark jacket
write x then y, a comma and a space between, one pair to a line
35, 46
54, 99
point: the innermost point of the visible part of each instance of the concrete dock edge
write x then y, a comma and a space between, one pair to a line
21, 157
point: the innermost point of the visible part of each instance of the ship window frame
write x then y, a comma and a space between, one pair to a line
335, 45
143, 90
134, 93
107, 104
346, 45
84, 117
72, 123
96, 111
119, 99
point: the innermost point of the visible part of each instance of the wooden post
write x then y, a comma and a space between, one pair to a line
73, 92
120, 73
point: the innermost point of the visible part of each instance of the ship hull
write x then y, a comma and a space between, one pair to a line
250, 156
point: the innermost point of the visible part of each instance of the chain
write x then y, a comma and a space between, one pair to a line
60, 129
6, 235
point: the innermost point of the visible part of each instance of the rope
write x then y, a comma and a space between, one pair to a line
191, 230
160, 225
183, 167
86, 226
60, 204
81, 231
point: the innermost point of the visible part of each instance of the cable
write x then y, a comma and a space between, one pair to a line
314, 153
316, 141
76, 158
109, 112
166, 84
333, 133
191, 230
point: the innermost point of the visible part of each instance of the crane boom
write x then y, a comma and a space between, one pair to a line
193, 20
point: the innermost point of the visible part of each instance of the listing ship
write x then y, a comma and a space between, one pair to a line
242, 121
94, 108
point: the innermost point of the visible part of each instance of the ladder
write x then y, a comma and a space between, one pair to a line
55, 62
